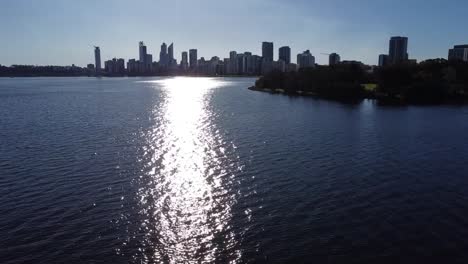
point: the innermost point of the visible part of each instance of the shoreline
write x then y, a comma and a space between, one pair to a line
382, 100
126, 76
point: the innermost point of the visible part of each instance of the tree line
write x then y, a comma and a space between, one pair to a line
431, 81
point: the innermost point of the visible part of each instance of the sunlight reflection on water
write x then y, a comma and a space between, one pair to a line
186, 201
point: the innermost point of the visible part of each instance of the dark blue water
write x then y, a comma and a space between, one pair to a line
190, 170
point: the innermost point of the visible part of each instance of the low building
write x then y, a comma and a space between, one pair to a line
459, 52
334, 59
383, 60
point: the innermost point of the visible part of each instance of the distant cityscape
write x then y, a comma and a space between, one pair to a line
237, 64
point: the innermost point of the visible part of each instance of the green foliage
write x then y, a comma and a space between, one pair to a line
431, 81
336, 82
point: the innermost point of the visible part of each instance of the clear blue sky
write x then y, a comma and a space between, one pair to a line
62, 32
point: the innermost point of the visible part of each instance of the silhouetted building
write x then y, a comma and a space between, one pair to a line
398, 51
97, 60
305, 60
115, 66
241, 64
170, 54
257, 64
148, 62
334, 59
142, 52
279, 66
459, 52
232, 66
133, 67
193, 57
285, 54
267, 51
163, 56
249, 67
383, 60
184, 62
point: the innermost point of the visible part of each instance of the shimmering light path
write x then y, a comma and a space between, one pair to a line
184, 200
198, 170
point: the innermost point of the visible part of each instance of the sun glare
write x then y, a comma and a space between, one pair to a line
185, 172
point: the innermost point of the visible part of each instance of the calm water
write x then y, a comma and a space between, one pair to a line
196, 170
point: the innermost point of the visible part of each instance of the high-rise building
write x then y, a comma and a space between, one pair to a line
133, 67
459, 52
184, 62
97, 60
285, 54
334, 59
257, 64
267, 51
398, 51
142, 50
115, 66
383, 60
170, 54
305, 60
248, 64
193, 58
163, 56
233, 63
148, 62
241, 64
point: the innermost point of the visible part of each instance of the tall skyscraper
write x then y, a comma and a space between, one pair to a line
305, 59
184, 62
233, 63
334, 59
163, 57
248, 61
193, 58
97, 60
459, 52
171, 54
398, 51
285, 54
142, 49
267, 51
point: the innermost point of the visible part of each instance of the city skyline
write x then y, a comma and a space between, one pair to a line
60, 32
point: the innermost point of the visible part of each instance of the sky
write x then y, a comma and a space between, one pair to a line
63, 32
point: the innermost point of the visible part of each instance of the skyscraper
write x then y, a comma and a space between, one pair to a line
163, 58
193, 58
171, 54
97, 60
285, 54
334, 59
267, 51
232, 68
142, 49
459, 52
184, 62
398, 51
148, 62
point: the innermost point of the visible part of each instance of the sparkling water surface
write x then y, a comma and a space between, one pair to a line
202, 170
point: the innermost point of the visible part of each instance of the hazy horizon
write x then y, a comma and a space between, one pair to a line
53, 32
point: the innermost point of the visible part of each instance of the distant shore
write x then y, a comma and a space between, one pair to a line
429, 82
126, 76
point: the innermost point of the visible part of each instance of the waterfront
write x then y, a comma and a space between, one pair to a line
203, 170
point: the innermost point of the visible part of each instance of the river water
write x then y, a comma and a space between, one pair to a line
202, 170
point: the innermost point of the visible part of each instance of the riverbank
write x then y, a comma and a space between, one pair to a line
431, 82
